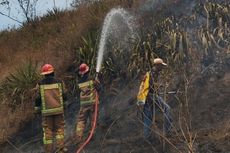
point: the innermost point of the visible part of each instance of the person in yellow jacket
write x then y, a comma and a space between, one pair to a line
50, 104
148, 99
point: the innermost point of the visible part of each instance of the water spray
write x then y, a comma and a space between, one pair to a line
106, 31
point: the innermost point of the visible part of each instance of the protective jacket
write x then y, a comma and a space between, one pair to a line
87, 90
87, 93
50, 101
144, 88
149, 87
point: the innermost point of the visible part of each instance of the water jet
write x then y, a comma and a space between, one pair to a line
107, 30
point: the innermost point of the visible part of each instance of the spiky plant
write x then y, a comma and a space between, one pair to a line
16, 88
87, 52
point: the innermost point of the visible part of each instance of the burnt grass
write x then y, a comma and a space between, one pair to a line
209, 111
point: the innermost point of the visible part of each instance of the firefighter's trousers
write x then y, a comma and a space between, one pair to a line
53, 131
85, 112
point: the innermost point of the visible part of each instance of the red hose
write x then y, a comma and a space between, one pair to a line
93, 128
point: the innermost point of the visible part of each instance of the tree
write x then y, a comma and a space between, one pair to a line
6, 4
29, 8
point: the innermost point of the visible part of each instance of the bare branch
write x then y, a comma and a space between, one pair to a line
28, 8
4, 3
11, 18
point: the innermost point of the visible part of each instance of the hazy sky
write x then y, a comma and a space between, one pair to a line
16, 13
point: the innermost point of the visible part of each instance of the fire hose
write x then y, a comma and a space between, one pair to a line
93, 127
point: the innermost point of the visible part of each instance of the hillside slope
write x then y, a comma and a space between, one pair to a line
193, 37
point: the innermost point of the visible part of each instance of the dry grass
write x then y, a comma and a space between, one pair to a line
54, 39
11, 121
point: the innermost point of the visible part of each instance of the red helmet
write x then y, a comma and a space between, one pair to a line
83, 68
47, 69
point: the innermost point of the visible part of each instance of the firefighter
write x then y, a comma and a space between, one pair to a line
148, 99
50, 103
88, 88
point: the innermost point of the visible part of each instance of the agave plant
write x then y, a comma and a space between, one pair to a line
15, 89
166, 41
87, 52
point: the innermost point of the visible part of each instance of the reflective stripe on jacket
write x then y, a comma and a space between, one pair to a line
87, 93
144, 88
52, 99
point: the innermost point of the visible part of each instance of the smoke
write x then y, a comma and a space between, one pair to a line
166, 7
152, 5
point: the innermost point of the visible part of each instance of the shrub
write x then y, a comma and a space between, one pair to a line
16, 89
